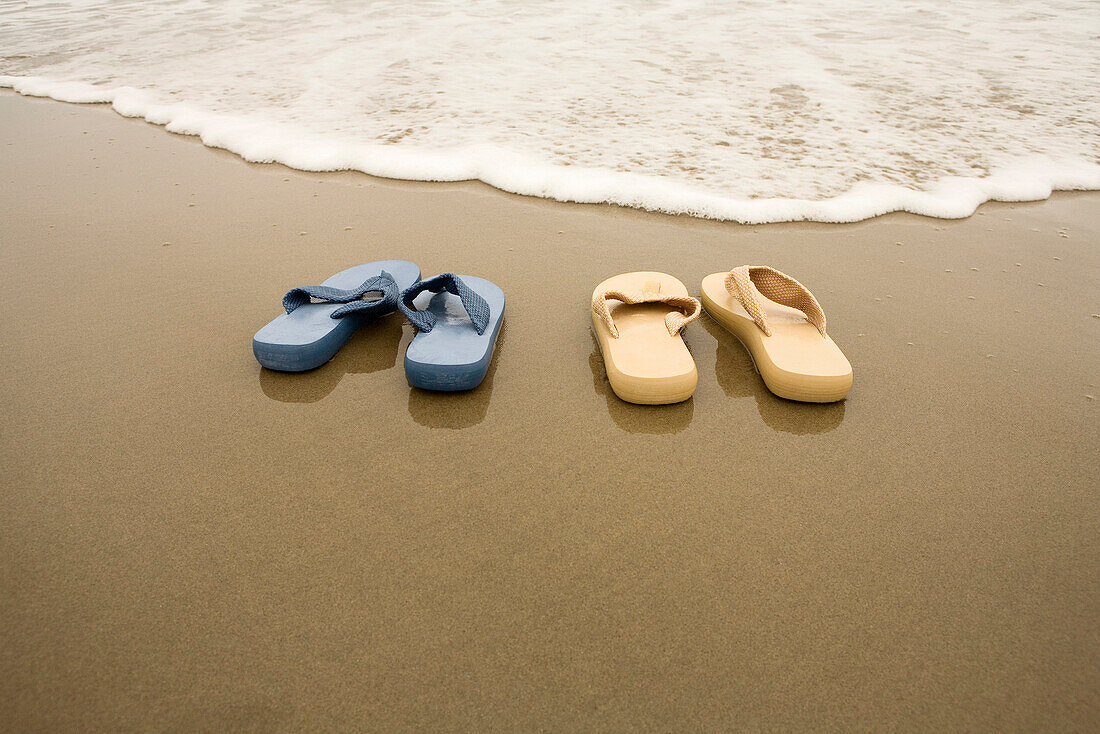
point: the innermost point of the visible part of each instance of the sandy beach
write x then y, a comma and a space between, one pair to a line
191, 543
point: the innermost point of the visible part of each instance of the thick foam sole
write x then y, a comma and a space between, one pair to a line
796, 362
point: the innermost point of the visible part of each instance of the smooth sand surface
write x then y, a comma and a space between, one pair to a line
191, 543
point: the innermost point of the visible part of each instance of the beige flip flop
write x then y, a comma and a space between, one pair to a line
782, 325
646, 359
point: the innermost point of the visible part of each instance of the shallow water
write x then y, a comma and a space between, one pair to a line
756, 111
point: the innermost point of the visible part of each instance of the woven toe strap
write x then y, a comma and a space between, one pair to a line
748, 282
688, 308
383, 284
476, 306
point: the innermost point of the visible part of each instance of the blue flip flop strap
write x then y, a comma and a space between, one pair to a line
476, 306
384, 283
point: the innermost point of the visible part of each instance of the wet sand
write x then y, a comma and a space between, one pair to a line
191, 543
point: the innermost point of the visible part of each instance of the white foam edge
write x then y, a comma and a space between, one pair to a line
1029, 179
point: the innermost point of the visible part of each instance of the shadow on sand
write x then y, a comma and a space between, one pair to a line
371, 349
457, 410
738, 378
638, 418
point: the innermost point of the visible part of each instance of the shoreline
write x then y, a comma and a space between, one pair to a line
1028, 180
192, 542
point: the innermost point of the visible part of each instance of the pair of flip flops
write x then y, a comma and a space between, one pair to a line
638, 318
457, 317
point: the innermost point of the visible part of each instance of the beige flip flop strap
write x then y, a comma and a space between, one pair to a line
689, 308
748, 282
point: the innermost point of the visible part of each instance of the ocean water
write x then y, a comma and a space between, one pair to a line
762, 110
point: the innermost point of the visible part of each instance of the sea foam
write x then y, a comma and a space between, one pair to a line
755, 112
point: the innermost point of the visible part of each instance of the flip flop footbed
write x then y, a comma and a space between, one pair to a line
308, 336
645, 364
453, 356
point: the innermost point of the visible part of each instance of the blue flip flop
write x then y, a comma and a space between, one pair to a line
310, 333
456, 336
